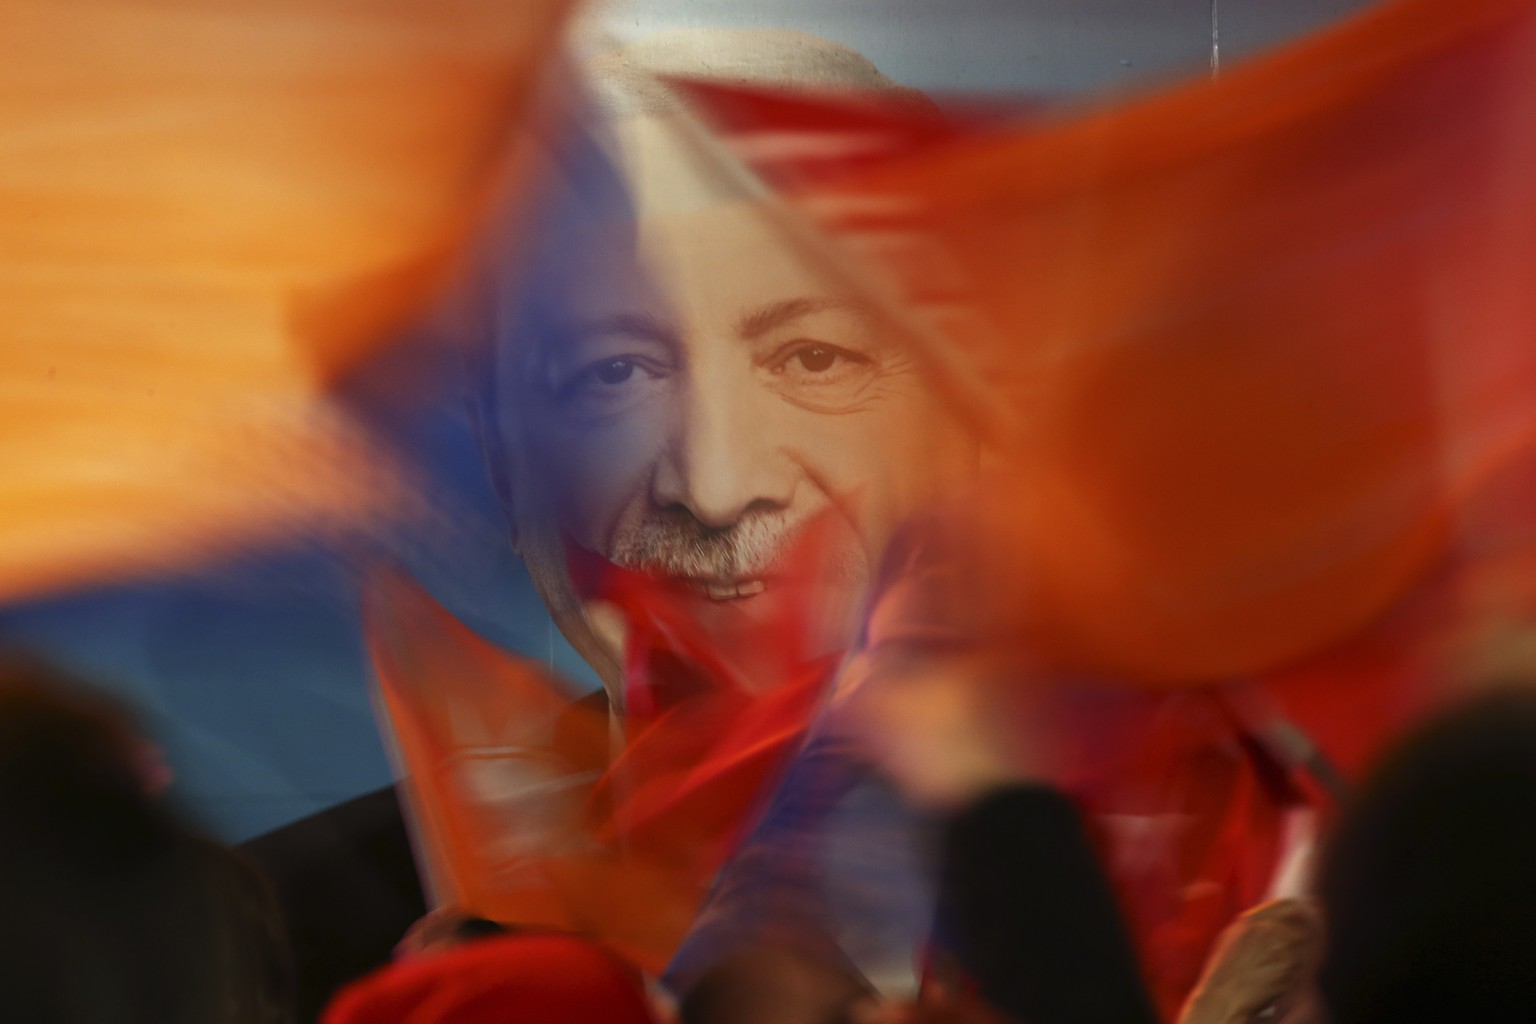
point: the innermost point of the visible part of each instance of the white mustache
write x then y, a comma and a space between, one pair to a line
676, 544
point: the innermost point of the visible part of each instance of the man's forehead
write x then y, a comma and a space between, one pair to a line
665, 175
682, 245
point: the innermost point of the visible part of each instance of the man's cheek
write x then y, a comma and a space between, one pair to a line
927, 451
881, 466
899, 450
597, 476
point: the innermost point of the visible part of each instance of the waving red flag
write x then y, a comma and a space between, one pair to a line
1242, 344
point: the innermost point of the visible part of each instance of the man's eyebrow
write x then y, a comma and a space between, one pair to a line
777, 314
632, 325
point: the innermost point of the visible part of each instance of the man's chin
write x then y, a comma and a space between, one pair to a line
781, 622
764, 631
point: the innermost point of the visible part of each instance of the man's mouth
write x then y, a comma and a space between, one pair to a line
728, 590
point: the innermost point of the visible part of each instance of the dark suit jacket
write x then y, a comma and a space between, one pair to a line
347, 883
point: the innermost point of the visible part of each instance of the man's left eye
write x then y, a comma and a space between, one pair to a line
821, 376
816, 358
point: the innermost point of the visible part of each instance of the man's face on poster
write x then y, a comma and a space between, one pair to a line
707, 395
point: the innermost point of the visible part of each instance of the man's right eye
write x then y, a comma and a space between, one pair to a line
613, 371
608, 385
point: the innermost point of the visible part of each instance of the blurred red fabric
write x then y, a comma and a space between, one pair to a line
546, 978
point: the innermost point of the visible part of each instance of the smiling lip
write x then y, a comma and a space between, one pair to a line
729, 590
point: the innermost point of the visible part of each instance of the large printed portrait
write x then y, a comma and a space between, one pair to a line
677, 390
704, 434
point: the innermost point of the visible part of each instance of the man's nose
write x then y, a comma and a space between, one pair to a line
724, 457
